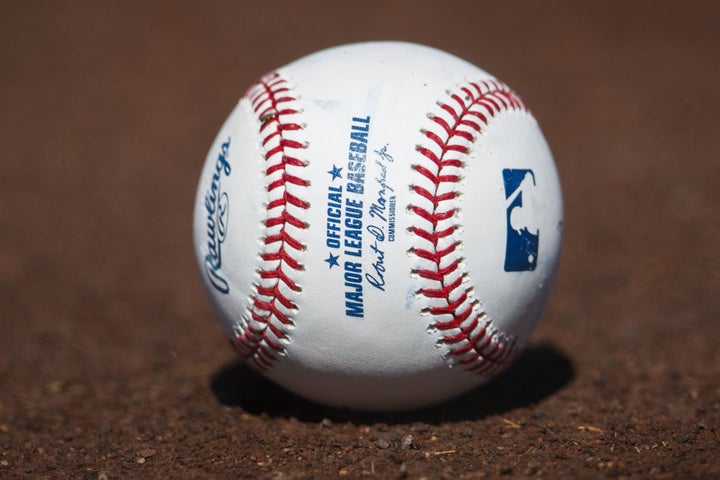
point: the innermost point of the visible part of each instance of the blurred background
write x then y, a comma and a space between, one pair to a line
108, 348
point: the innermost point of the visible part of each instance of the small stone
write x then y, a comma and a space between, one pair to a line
382, 444
54, 387
407, 442
148, 452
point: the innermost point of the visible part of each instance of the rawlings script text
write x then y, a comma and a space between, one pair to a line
217, 206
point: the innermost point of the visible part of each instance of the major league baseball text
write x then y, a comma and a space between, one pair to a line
395, 227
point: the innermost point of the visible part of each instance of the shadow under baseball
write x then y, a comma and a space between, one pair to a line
540, 372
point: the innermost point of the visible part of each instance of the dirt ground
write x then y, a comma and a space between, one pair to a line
112, 364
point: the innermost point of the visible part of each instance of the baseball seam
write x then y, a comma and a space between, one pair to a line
264, 327
473, 341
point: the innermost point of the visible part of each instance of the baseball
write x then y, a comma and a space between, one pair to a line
378, 226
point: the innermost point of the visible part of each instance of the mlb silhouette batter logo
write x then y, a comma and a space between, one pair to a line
523, 234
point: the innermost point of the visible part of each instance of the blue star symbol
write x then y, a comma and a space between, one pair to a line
332, 260
335, 172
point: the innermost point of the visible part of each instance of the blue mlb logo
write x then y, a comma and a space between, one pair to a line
523, 235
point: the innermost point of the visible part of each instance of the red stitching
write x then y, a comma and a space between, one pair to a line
259, 338
468, 332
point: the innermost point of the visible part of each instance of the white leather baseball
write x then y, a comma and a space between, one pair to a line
378, 225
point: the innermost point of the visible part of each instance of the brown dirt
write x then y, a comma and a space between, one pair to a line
112, 366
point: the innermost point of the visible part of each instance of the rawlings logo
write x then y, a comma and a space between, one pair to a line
217, 206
